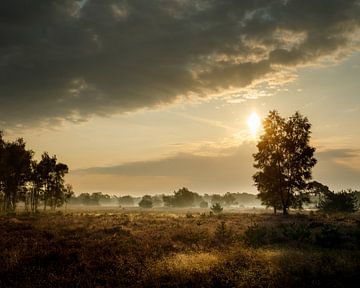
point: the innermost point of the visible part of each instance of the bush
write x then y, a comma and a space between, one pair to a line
146, 202
223, 234
330, 237
296, 232
256, 235
343, 201
216, 208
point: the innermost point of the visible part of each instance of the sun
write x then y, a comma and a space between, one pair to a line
254, 123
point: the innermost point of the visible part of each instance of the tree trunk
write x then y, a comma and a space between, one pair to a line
285, 211
275, 210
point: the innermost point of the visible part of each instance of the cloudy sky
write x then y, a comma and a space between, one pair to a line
147, 96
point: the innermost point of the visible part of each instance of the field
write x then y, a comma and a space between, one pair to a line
179, 248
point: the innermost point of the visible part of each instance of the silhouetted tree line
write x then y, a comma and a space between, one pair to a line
181, 198
330, 201
92, 199
22, 178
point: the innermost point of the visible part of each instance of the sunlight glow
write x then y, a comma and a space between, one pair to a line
254, 124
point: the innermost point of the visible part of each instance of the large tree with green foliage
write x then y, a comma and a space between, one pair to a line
284, 161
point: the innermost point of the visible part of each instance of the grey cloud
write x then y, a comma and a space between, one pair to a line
333, 154
112, 56
231, 171
335, 174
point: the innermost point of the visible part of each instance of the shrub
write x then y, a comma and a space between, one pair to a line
216, 208
146, 202
223, 234
296, 232
329, 236
256, 235
343, 201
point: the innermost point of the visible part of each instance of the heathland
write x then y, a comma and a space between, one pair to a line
120, 247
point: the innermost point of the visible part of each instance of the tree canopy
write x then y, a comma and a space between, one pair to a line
24, 179
343, 201
284, 161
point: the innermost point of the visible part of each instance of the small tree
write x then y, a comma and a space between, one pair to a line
182, 198
343, 201
284, 161
146, 202
216, 208
68, 193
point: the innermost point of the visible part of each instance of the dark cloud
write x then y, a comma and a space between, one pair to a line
61, 62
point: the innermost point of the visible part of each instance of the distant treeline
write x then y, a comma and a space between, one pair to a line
322, 198
181, 198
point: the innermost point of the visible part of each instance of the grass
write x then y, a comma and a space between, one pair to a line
119, 248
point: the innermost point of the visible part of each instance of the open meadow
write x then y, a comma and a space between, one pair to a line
179, 248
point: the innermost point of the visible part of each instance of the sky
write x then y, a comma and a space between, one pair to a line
145, 97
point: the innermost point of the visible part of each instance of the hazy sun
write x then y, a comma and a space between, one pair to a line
254, 123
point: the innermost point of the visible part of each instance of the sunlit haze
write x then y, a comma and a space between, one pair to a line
149, 96
254, 124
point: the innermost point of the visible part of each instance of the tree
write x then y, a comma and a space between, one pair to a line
284, 160
182, 198
15, 171
146, 202
23, 179
126, 200
68, 193
229, 199
216, 208
52, 175
36, 188
343, 201
318, 192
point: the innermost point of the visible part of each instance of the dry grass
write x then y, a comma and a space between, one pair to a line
119, 248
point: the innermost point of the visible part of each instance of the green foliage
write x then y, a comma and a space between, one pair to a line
216, 208
284, 161
343, 201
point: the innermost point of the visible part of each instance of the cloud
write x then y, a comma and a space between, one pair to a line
338, 168
230, 170
59, 62
336, 154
